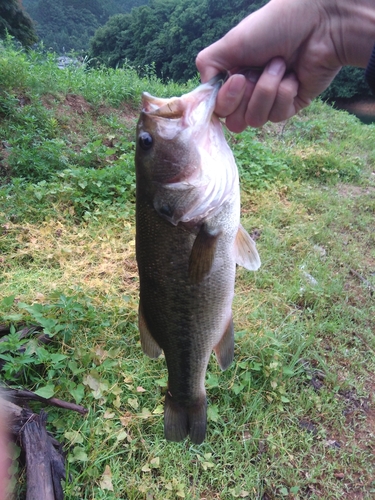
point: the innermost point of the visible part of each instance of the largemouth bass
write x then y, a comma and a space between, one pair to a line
188, 242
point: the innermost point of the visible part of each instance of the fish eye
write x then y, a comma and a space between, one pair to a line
145, 141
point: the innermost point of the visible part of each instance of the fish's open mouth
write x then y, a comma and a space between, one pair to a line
176, 108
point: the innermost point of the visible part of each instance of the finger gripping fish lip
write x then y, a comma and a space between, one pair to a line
219, 79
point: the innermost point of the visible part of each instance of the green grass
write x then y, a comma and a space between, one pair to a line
293, 417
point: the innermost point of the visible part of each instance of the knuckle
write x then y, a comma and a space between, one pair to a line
235, 124
265, 89
255, 120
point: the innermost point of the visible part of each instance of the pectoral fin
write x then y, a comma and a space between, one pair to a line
149, 345
246, 253
202, 254
225, 348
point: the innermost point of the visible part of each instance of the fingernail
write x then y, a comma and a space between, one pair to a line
276, 67
236, 84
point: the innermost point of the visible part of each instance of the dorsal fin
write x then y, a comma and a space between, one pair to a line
246, 253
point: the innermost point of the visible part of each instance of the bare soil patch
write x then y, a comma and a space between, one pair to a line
77, 103
349, 190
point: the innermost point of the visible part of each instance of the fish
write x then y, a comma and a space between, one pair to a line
188, 242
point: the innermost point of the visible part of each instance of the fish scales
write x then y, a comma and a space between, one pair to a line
187, 246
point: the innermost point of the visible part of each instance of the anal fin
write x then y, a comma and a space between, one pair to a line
202, 254
246, 253
224, 350
148, 343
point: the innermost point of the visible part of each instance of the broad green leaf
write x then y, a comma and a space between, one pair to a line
121, 436
55, 358
159, 410
46, 392
133, 403
213, 413
79, 455
78, 393
237, 388
74, 437
212, 381
8, 301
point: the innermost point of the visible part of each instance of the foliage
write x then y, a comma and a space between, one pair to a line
37, 142
167, 34
27, 361
350, 82
80, 191
320, 146
258, 166
16, 22
66, 25
14, 67
163, 34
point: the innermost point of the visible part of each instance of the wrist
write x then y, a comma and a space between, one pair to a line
352, 25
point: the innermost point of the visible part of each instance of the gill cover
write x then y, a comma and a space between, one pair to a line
182, 151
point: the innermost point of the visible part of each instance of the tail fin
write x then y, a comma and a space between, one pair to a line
181, 421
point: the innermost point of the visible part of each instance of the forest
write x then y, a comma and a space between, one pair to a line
167, 34
65, 25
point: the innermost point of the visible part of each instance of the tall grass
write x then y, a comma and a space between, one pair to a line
38, 73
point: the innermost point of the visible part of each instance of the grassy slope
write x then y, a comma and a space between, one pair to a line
294, 416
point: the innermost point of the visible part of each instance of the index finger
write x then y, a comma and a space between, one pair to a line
209, 63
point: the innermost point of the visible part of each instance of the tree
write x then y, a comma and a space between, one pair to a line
15, 21
168, 34
69, 24
105, 41
349, 83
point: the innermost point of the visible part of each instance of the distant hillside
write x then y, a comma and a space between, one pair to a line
64, 25
167, 35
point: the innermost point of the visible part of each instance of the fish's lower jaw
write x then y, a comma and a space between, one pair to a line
181, 421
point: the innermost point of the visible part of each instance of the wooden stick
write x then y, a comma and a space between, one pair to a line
45, 461
25, 332
43, 465
18, 395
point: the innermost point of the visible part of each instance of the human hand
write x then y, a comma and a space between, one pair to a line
4, 452
298, 44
